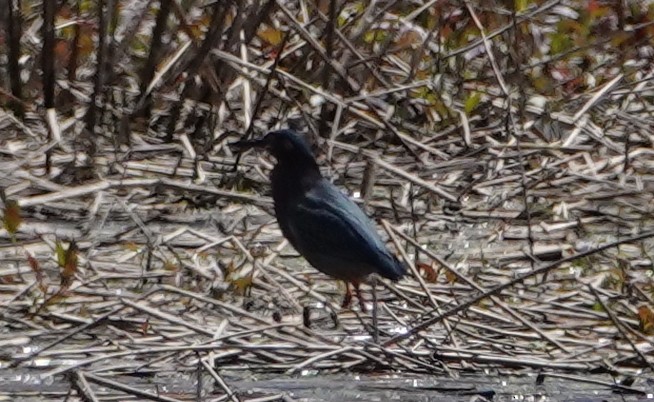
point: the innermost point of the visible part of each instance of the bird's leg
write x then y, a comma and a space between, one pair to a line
347, 300
362, 302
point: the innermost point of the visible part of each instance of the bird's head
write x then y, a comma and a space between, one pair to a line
285, 145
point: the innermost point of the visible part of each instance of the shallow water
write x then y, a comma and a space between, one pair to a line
17, 385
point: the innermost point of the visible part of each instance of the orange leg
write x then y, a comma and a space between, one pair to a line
347, 300
362, 302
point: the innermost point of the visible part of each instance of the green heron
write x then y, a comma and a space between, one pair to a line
327, 228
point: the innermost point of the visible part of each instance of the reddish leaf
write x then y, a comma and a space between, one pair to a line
62, 51
38, 272
69, 266
170, 266
646, 318
429, 273
241, 285
450, 276
593, 6
8, 279
145, 327
407, 40
323, 6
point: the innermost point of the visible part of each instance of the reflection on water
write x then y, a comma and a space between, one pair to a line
311, 385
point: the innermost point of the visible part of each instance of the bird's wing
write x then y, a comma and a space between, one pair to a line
326, 222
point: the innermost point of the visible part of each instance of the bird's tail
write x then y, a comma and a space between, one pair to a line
397, 271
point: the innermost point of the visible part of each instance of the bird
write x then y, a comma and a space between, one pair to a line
323, 224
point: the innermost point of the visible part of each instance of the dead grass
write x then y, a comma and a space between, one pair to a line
523, 206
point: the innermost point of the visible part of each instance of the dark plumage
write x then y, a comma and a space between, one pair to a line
323, 224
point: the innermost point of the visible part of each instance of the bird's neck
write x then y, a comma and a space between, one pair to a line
290, 179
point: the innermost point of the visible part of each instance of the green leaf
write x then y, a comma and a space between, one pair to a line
560, 43
375, 35
11, 218
60, 251
521, 5
472, 102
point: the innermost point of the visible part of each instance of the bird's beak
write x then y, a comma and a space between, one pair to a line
244, 145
